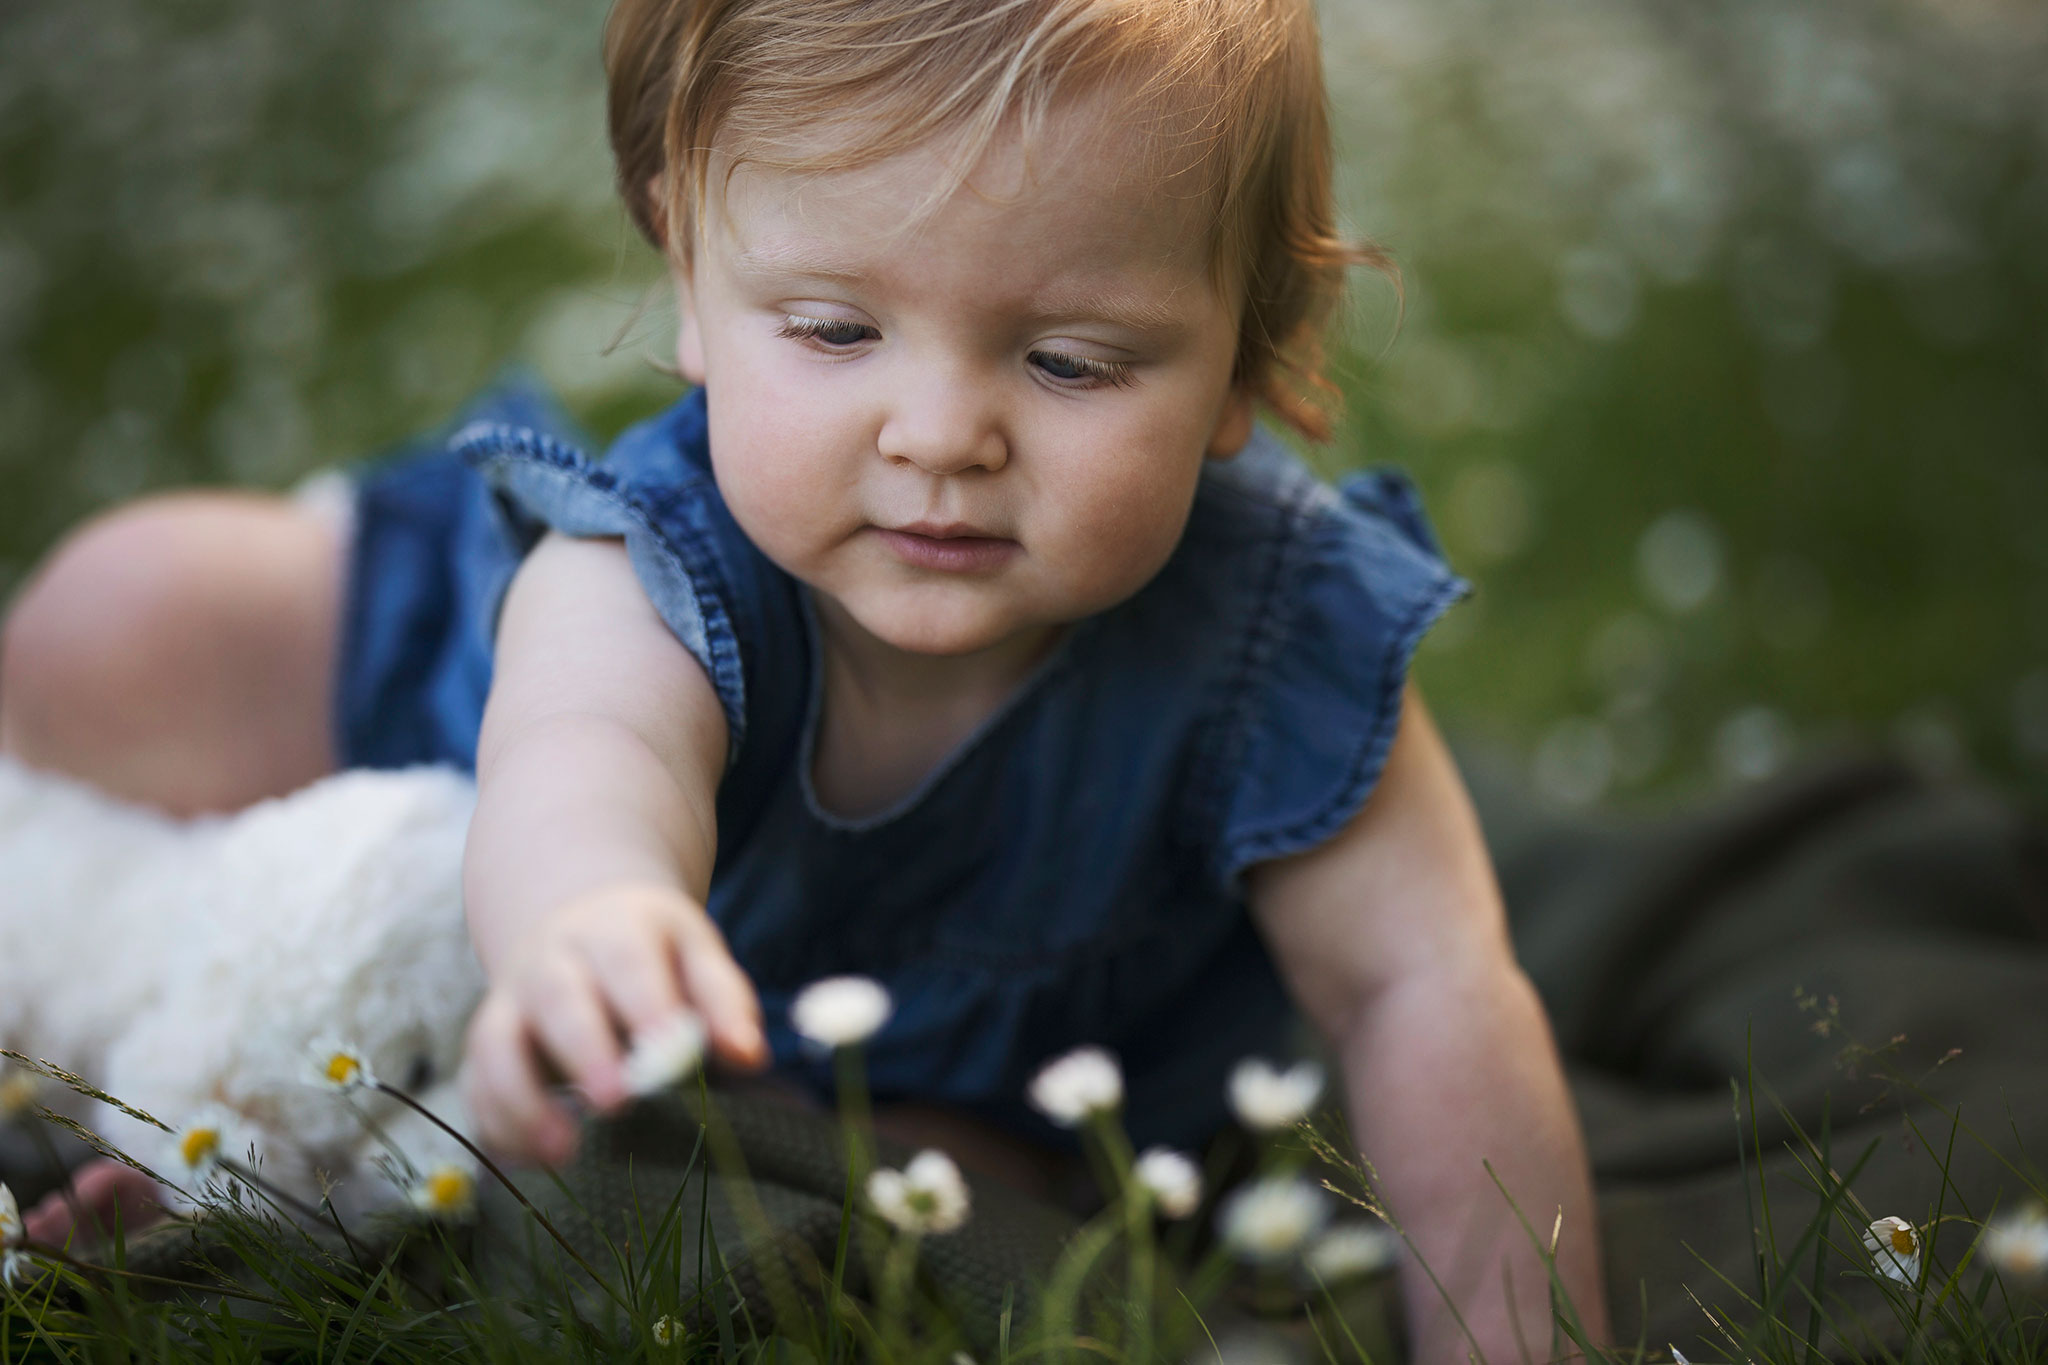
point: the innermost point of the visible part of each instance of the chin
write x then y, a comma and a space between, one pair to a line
940, 633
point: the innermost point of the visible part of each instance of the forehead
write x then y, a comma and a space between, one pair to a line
1080, 196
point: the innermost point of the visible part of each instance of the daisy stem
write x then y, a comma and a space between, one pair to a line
496, 1174
1137, 1205
376, 1130
856, 1117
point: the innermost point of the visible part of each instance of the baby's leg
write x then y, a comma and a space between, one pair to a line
180, 651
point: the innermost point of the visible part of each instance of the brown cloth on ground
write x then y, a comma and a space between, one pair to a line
1669, 952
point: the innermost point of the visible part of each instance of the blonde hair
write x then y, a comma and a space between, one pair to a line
1237, 82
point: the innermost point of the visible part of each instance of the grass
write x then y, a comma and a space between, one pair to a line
702, 1277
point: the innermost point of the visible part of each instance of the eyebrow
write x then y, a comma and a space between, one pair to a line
1134, 312
794, 259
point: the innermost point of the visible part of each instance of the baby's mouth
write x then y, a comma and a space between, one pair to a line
948, 547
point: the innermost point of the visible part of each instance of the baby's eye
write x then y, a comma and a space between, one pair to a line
1077, 371
827, 331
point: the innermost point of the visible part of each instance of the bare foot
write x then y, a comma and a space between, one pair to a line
99, 1190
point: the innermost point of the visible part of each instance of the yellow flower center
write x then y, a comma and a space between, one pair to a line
17, 1093
198, 1144
342, 1068
448, 1188
1902, 1241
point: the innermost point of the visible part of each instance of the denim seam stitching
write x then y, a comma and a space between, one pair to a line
484, 440
1259, 845
1236, 712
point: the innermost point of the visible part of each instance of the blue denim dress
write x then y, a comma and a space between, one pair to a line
1073, 872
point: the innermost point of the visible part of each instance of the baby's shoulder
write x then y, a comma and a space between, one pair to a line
1267, 532
1298, 603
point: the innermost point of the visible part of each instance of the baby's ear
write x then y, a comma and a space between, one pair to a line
689, 336
1233, 424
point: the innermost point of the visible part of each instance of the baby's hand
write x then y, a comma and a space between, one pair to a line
624, 958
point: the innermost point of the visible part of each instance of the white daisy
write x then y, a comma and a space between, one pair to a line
1352, 1251
840, 1011
666, 1329
446, 1192
11, 1230
17, 1268
1268, 1219
665, 1055
1082, 1083
1266, 1099
927, 1195
1894, 1245
2017, 1244
341, 1067
209, 1138
1171, 1178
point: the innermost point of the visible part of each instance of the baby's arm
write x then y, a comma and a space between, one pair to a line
1393, 939
590, 853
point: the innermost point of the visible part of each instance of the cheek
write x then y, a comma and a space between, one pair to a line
771, 451
1128, 514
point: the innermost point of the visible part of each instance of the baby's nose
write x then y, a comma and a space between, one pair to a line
944, 429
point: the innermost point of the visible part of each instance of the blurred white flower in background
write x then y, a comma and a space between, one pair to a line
1352, 1251
1266, 1099
446, 1193
665, 1055
210, 1137
1072, 1088
840, 1011
341, 1067
1171, 1178
1752, 744
1269, 1219
928, 1195
1679, 561
1596, 291
19, 1090
2017, 1244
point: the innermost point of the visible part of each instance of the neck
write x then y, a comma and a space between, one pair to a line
888, 716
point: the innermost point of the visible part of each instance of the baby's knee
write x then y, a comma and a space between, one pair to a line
137, 620
92, 624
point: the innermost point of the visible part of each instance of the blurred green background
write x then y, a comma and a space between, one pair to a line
1723, 361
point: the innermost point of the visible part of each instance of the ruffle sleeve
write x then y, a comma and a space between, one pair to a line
1320, 710
663, 505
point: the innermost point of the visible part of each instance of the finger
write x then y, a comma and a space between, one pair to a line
640, 987
723, 995
566, 1014
513, 1113
100, 1190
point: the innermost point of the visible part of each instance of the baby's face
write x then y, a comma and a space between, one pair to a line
966, 432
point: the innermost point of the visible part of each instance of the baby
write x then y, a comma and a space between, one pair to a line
959, 628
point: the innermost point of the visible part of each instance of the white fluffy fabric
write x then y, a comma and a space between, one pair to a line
182, 965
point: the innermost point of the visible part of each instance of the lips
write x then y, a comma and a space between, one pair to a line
948, 547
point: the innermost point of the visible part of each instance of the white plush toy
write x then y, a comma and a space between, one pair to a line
190, 967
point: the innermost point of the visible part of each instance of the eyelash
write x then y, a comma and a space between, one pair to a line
1093, 373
